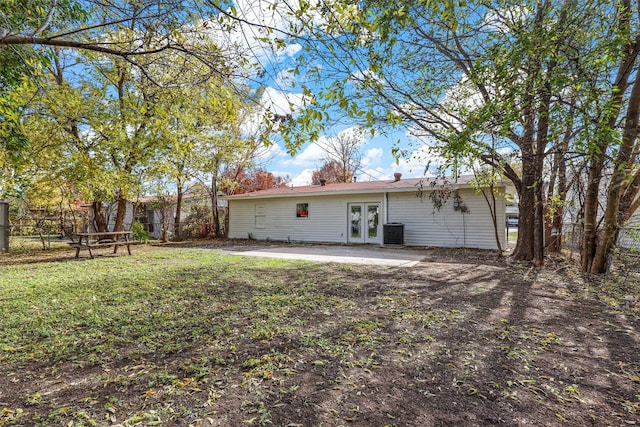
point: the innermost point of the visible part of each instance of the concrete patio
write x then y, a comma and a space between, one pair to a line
369, 255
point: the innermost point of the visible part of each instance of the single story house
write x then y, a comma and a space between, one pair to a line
413, 212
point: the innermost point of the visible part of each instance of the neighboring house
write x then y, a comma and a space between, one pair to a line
155, 214
513, 214
364, 212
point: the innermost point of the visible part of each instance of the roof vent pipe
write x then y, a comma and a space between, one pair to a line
323, 182
355, 178
397, 176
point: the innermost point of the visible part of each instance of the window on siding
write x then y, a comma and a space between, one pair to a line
261, 218
302, 210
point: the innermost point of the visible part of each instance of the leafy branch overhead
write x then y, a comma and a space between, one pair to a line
542, 94
519, 88
136, 29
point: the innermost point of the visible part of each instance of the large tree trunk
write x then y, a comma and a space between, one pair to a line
621, 170
591, 213
537, 104
543, 113
541, 144
214, 206
176, 220
526, 217
525, 250
599, 149
98, 217
120, 214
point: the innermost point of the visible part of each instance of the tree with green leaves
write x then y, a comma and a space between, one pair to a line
140, 34
474, 80
200, 131
620, 97
149, 27
116, 121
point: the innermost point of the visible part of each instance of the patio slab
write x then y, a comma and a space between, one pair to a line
368, 255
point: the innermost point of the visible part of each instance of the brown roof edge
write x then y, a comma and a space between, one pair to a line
403, 185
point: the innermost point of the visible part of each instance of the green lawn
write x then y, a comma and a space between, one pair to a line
191, 336
160, 321
89, 310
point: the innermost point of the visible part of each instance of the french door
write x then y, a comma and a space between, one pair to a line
364, 222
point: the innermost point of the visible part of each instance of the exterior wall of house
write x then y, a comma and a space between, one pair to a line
275, 218
427, 226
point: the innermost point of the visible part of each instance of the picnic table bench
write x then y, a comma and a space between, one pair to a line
95, 240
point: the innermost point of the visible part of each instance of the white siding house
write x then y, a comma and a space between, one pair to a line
358, 212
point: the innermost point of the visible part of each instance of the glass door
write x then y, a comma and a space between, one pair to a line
364, 223
356, 234
373, 223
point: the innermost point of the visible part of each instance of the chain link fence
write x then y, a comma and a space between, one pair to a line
34, 235
49, 234
628, 238
626, 253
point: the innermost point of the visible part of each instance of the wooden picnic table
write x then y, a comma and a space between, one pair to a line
102, 239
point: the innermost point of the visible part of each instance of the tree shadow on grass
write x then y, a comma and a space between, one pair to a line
454, 341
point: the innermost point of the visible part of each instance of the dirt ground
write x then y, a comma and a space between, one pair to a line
461, 339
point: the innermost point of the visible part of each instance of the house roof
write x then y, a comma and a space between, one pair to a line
364, 187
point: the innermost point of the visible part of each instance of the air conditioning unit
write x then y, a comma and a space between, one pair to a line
393, 233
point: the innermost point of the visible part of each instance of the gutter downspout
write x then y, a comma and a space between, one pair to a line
386, 208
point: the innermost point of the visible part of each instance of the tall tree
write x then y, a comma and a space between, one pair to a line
199, 129
151, 26
343, 149
597, 244
241, 179
332, 172
460, 76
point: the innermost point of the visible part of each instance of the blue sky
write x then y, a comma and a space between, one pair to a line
283, 90
377, 162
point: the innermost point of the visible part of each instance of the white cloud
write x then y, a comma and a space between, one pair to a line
292, 49
411, 167
285, 79
270, 153
311, 156
303, 178
372, 157
279, 102
417, 163
353, 133
276, 102
254, 29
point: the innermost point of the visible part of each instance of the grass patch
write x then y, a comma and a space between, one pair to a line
191, 336
94, 309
